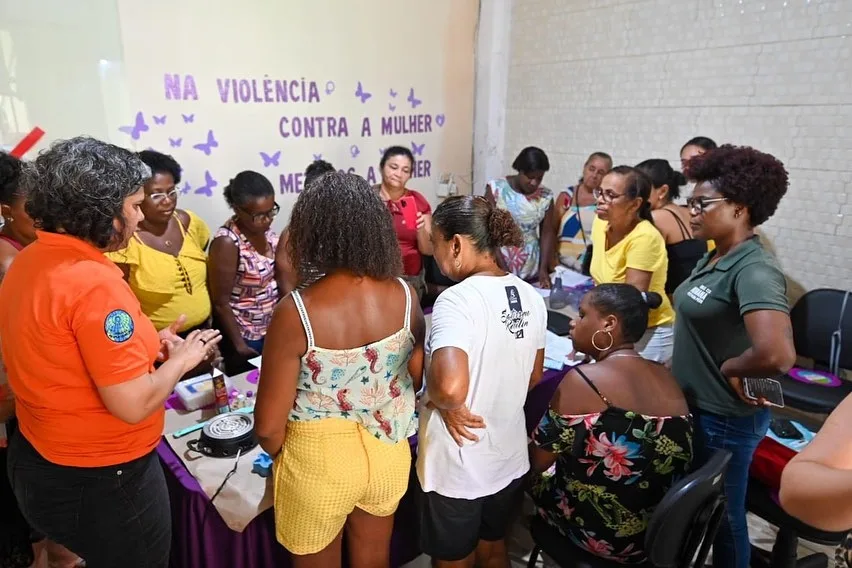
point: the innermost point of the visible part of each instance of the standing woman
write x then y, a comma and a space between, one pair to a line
241, 270
165, 262
414, 241
80, 356
531, 206
628, 249
672, 220
487, 350
336, 403
575, 212
732, 321
695, 147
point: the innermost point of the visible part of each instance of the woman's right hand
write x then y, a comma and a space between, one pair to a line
198, 346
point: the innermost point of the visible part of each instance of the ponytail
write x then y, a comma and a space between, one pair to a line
502, 229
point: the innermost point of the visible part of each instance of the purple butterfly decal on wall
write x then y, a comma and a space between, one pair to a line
270, 160
317, 157
208, 146
209, 184
391, 107
392, 93
362, 94
185, 189
415, 102
159, 119
137, 129
417, 150
381, 151
175, 142
354, 151
188, 118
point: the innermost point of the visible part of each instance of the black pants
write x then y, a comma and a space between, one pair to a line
111, 516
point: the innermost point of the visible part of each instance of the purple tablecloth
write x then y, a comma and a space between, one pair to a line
200, 538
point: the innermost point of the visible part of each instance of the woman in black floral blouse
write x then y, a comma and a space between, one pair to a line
618, 431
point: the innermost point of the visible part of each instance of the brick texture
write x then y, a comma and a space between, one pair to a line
637, 78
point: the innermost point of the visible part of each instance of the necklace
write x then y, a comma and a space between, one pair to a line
629, 354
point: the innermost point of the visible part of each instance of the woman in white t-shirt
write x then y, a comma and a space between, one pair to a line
486, 350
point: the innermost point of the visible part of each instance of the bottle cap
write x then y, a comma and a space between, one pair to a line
249, 394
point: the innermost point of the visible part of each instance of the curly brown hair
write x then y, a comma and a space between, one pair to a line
745, 176
475, 217
340, 223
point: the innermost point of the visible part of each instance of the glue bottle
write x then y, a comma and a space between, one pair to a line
220, 391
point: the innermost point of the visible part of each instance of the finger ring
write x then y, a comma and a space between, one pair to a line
204, 341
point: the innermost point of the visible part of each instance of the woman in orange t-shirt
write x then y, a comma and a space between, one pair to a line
80, 354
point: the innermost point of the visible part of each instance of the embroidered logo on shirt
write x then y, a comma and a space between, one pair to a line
699, 293
515, 318
118, 326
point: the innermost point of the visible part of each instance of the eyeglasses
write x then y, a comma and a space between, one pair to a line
160, 197
698, 204
609, 196
260, 217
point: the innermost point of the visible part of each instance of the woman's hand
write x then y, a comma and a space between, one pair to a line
200, 345
170, 335
421, 221
737, 384
544, 279
458, 421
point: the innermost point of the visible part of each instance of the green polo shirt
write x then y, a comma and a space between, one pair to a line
709, 327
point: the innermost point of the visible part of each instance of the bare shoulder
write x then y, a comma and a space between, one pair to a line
184, 218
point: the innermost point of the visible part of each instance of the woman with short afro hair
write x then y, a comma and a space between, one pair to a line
732, 321
343, 360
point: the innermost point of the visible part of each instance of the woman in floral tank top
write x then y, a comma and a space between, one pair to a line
344, 358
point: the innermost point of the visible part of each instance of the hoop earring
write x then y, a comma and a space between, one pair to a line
595, 345
458, 264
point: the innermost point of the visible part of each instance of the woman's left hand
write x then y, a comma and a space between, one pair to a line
421, 221
543, 279
170, 335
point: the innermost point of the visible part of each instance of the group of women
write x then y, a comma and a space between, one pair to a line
93, 347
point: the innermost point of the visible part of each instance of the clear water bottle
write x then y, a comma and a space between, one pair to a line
559, 297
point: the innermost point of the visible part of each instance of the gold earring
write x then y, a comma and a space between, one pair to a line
458, 264
595, 345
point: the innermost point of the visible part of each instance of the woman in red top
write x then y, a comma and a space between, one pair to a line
414, 241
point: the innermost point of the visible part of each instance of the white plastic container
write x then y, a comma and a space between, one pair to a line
198, 391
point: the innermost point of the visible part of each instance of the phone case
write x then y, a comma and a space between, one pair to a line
769, 389
409, 211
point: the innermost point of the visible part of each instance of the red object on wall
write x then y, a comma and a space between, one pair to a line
769, 461
27, 143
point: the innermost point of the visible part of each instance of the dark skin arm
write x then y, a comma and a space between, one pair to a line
538, 369
279, 375
547, 238
418, 355
772, 352
449, 378
222, 263
284, 274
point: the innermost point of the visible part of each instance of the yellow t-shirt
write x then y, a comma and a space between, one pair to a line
642, 249
168, 286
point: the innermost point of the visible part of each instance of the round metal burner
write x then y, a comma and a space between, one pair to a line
229, 426
224, 435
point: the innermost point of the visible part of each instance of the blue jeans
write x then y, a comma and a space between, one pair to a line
740, 436
256, 344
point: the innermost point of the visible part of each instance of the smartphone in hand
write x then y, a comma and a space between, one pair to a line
409, 211
768, 389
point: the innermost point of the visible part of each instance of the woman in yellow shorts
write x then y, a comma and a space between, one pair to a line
335, 404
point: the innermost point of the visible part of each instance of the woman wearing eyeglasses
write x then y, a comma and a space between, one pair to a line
241, 270
165, 261
628, 249
732, 321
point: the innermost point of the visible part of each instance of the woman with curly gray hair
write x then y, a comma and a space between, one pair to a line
80, 357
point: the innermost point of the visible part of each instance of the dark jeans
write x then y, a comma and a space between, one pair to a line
740, 436
111, 516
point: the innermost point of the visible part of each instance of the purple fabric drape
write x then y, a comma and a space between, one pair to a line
538, 399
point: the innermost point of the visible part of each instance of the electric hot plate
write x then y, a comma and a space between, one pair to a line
225, 435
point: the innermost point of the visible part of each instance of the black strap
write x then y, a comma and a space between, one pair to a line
594, 388
684, 232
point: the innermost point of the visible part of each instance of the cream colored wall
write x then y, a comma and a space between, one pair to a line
92, 67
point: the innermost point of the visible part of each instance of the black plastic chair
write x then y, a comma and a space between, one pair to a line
762, 501
685, 520
816, 317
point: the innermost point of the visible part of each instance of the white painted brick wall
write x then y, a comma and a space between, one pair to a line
638, 78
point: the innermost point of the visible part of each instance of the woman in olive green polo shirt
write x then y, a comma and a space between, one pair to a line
732, 321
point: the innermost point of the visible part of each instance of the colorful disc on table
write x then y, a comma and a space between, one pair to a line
812, 377
253, 376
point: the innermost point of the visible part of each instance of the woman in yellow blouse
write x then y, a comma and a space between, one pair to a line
627, 248
165, 261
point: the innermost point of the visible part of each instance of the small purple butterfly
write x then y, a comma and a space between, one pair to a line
381, 151
317, 157
209, 184
440, 119
159, 119
392, 93
417, 150
270, 160
329, 87
362, 94
137, 129
208, 146
391, 107
187, 118
415, 102
175, 142
354, 151
185, 189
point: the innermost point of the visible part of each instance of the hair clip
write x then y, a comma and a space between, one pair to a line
644, 297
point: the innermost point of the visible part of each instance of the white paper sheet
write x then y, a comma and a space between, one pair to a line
569, 277
556, 350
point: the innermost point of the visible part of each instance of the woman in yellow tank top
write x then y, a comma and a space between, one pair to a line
165, 261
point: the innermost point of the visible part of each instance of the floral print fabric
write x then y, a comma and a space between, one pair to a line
612, 469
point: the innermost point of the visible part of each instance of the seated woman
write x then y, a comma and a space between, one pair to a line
335, 406
531, 206
695, 147
672, 220
629, 249
241, 270
165, 261
414, 241
574, 212
619, 432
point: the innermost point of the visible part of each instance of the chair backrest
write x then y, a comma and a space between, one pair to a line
688, 515
815, 317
